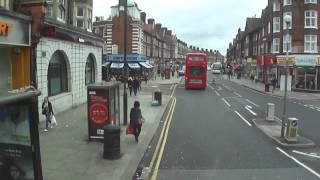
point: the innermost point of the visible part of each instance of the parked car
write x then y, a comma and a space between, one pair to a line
181, 72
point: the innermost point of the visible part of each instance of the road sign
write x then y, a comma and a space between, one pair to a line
294, 123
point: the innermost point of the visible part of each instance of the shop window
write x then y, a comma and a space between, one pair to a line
310, 19
90, 70
276, 24
57, 74
310, 44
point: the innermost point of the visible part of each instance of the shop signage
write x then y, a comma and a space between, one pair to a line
305, 60
14, 31
120, 57
254, 62
281, 60
5, 28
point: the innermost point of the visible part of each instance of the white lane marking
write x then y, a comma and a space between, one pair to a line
305, 105
306, 154
250, 107
253, 113
219, 88
174, 89
171, 86
311, 107
217, 93
249, 124
298, 162
225, 101
237, 94
252, 103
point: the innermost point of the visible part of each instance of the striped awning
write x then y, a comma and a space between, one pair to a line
146, 65
117, 65
134, 65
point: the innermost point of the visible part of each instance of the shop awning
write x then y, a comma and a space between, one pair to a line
106, 64
146, 65
117, 65
134, 65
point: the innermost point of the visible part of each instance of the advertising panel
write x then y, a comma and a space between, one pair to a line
16, 155
98, 113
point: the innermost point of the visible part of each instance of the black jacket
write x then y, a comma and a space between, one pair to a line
50, 108
135, 117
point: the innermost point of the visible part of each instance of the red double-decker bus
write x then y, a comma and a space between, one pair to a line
196, 71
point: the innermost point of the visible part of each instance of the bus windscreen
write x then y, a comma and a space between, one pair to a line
196, 58
196, 70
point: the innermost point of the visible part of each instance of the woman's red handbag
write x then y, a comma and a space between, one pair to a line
129, 129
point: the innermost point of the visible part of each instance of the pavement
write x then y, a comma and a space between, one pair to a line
290, 94
67, 154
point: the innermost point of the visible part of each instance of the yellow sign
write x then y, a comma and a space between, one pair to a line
5, 28
318, 61
254, 62
282, 61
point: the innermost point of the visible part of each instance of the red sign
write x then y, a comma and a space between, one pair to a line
98, 112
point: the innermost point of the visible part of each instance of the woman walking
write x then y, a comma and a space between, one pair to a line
136, 119
47, 111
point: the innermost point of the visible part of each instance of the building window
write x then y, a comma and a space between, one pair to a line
287, 2
80, 23
276, 6
80, 12
61, 13
287, 42
57, 74
276, 24
290, 23
269, 27
310, 1
90, 70
49, 12
310, 19
4, 4
276, 45
97, 30
310, 44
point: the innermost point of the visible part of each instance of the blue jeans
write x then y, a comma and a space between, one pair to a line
48, 119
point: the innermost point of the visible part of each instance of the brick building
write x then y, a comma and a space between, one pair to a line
265, 43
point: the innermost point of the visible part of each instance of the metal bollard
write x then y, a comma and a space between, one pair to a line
270, 115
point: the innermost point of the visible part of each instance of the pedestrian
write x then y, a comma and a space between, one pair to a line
130, 85
252, 77
146, 77
229, 73
136, 119
140, 81
47, 111
135, 85
162, 74
274, 82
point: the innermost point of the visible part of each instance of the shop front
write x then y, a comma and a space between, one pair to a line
306, 73
15, 33
266, 67
281, 62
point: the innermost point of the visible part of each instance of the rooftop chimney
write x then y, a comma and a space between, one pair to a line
158, 26
150, 21
169, 32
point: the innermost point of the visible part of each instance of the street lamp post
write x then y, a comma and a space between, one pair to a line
125, 95
287, 20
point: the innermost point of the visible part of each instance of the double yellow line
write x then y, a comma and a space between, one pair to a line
157, 156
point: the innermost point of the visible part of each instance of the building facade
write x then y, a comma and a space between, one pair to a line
67, 58
268, 42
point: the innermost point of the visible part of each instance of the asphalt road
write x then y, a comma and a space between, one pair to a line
209, 140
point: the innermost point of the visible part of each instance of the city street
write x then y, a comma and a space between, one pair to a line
212, 136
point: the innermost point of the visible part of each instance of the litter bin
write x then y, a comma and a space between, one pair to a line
111, 142
158, 97
266, 87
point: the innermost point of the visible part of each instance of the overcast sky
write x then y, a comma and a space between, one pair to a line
208, 24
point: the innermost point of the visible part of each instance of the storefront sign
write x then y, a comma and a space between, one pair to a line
318, 61
281, 60
305, 60
120, 57
5, 28
254, 62
14, 31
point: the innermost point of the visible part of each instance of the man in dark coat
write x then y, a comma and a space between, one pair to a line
136, 119
136, 84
